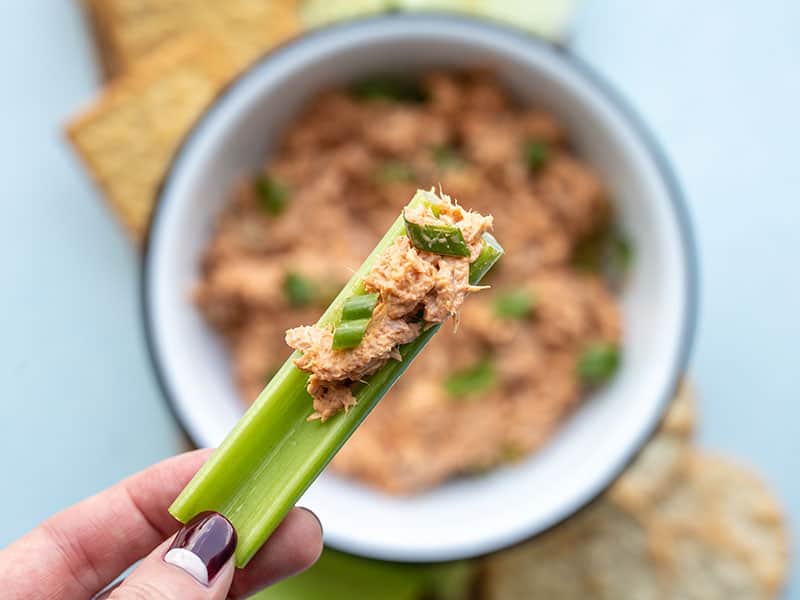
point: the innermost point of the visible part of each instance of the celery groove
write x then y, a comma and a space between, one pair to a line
273, 454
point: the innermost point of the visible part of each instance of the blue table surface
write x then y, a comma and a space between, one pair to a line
718, 82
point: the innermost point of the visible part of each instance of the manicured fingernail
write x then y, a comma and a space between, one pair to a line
313, 514
203, 546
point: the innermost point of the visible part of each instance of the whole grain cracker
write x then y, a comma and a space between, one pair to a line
129, 30
728, 509
699, 571
709, 529
603, 552
105, 52
128, 137
608, 552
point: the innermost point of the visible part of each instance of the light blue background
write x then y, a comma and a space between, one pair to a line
719, 83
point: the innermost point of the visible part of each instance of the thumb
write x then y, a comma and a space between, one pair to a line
196, 564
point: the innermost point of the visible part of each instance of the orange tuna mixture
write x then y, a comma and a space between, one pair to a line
527, 351
414, 287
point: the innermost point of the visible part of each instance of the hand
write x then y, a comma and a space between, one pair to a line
78, 552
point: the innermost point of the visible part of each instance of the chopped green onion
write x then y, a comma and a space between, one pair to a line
272, 195
536, 154
299, 291
348, 334
490, 254
621, 252
607, 252
472, 381
356, 315
439, 239
598, 363
359, 307
446, 157
395, 171
514, 304
390, 89
274, 453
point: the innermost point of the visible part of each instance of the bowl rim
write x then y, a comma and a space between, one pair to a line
569, 60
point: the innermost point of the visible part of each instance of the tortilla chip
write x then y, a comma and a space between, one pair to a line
129, 30
128, 137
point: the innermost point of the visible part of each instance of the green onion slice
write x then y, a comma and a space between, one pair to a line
536, 154
348, 334
299, 291
356, 315
439, 239
598, 362
472, 381
608, 253
273, 453
272, 195
359, 307
514, 304
390, 89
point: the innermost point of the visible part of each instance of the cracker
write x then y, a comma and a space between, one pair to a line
661, 460
600, 553
129, 30
128, 137
729, 510
698, 527
104, 50
608, 552
702, 572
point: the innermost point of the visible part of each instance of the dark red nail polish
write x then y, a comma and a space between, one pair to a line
203, 546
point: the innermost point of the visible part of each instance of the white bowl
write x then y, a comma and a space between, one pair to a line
470, 516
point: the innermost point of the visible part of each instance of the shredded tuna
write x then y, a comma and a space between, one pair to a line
402, 278
450, 287
406, 280
330, 398
380, 340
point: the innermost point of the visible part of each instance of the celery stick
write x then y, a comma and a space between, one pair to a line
273, 453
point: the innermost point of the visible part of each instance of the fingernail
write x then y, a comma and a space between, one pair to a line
316, 518
203, 546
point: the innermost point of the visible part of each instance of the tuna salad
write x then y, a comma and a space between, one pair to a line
419, 280
526, 352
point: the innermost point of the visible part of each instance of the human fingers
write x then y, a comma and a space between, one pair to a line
196, 564
81, 549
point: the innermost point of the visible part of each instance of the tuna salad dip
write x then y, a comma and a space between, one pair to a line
519, 358
421, 279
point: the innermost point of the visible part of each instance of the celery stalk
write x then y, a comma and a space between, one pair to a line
273, 454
